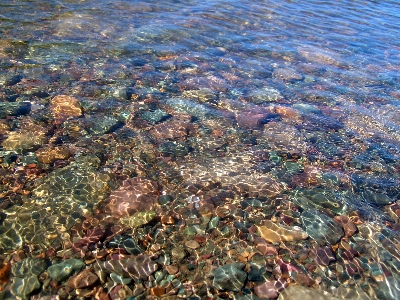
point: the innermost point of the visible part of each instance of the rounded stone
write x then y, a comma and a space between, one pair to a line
178, 253
192, 244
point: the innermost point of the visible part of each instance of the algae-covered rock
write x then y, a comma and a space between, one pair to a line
321, 228
14, 108
138, 219
230, 277
63, 270
28, 267
23, 287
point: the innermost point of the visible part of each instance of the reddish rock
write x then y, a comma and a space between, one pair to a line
304, 279
172, 269
322, 256
288, 113
120, 291
135, 194
83, 279
347, 225
5, 273
93, 236
251, 120
254, 118
200, 239
171, 130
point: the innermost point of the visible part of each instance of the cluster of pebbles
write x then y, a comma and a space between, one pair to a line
186, 201
172, 176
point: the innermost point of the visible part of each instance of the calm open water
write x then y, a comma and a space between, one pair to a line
226, 114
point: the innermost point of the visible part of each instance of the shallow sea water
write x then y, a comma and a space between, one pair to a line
199, 150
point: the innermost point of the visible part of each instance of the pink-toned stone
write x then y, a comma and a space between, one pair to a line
254, 118
83, 279
269, 289
173, 130
265, 247
322, 255
140, 266
135, 194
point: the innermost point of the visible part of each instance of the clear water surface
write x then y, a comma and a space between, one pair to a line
225, 115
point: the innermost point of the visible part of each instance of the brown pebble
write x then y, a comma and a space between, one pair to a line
155, 247
172, 269
167, 220
192, 244
200, 239
83, 279
241, 258
157, 291
206, 256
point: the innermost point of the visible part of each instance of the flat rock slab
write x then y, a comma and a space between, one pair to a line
230, 277
64, 269
139, 267
321, 228
275, 233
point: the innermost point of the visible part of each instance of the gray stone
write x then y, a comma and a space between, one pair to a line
29, 267
230, 277
102, 124
22, 287
14, 108
155, 116
165, 199
63, 270
377, 198
320, 227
